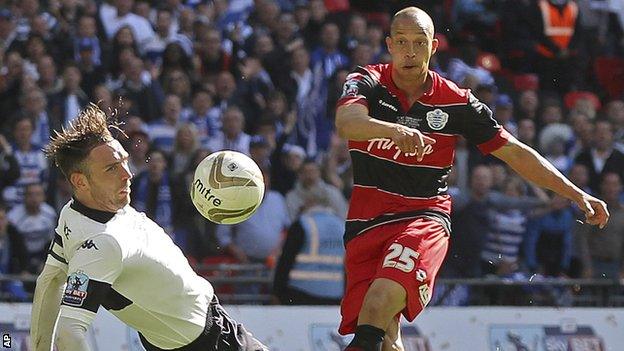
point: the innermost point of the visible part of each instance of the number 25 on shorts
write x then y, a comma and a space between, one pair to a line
401, 257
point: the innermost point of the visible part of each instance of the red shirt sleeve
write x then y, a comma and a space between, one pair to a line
496, 142
356, 88
348, 100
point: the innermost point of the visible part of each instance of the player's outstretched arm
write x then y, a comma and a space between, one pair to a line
45, 307
535, 168
354, 123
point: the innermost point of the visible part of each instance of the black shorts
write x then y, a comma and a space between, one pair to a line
222, 333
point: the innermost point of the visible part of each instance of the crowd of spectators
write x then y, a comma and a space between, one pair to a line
191, 77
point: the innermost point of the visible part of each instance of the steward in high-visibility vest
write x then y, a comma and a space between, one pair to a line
559, 19
310, 270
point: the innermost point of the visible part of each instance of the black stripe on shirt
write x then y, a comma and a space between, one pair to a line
396, 178
56, 256
58, 239
355, 228
115, 301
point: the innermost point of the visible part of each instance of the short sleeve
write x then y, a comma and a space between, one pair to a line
92, 270
481, 129
357, 88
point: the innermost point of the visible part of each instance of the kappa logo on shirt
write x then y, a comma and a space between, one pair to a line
88, 244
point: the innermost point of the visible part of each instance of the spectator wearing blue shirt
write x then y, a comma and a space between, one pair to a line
12, 258
153, 192
86, 38
34, 221
162, 131
548, 245
204, 115
325, 61
31, 160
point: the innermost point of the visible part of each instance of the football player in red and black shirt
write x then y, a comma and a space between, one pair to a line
402, 121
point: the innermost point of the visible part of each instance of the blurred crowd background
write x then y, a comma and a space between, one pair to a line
262, 77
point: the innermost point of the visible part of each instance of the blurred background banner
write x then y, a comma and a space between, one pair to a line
437, 329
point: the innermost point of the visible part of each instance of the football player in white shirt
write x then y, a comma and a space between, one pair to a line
111, 255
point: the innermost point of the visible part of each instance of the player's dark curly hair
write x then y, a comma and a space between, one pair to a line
69, 148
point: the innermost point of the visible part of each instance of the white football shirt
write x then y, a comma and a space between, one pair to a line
128, 264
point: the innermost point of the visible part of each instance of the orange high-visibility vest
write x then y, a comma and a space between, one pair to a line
558, 25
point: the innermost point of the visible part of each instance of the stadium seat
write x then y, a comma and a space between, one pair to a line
526, 81
572, 97
610, 74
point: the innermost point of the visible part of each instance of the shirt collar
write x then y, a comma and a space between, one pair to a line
96, 215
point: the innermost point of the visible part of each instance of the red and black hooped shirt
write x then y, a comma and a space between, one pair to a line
391, 186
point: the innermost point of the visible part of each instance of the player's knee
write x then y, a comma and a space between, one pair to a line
385, 297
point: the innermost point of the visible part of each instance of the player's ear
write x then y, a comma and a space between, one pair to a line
434, 46
389, 43
78, 180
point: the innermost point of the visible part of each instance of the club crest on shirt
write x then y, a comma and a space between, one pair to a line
76, 289
437, 119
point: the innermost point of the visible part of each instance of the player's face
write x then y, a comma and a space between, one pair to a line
108, 181
411, 46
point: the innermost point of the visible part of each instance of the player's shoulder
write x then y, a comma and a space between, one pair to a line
446, 92
76, 224
370, 74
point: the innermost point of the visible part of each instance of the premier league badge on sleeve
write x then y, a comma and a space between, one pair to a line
76, 289
350, 89
437, 119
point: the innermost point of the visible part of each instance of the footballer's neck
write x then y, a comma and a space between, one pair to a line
88, 201
413, 86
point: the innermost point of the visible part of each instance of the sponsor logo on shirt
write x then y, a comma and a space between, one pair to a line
388, 144
76, 289
385, 104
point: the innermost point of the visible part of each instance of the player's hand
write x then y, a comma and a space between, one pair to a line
411, 141
596, 212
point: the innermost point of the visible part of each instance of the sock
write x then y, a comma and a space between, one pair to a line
367, 338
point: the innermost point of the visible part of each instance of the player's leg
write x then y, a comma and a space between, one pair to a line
230, 335
392, 341
403, 281
362, 259
384, 299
